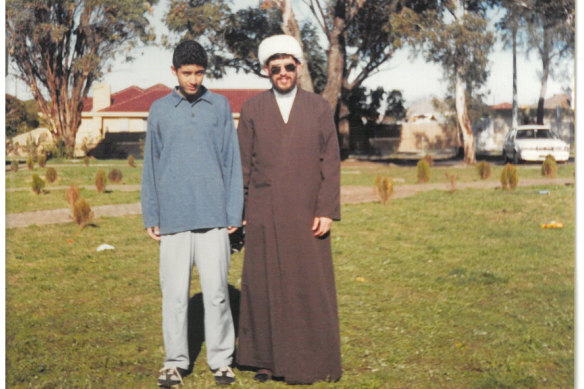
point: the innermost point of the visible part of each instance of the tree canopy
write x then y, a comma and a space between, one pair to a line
21, 116
551, 33
60, 47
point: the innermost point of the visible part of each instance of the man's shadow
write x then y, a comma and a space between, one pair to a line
197, 325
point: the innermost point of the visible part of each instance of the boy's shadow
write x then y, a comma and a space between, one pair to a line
197, 326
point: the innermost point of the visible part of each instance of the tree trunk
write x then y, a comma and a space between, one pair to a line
336, 57
344, 128
290, 27
336, 72
464, 122
460, 101
545, 59
514, 111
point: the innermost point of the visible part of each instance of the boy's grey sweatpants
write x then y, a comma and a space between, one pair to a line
209, 250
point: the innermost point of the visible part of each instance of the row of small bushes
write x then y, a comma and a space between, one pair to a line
509, 176
38, 184
42, 161
81, 212
80, 209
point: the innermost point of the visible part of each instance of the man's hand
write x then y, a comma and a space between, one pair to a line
153, 232
231, 230
321, 226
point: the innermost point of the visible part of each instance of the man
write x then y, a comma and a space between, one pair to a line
192, 197
291, 171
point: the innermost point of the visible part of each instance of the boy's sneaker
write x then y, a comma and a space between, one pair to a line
170, 377
224, 376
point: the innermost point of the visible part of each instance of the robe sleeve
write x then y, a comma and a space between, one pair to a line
245, 135
329, 195
231, 170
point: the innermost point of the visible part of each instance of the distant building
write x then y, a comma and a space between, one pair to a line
424, 131
113, 124
490, 131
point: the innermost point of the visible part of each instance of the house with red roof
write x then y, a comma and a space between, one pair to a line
113, 124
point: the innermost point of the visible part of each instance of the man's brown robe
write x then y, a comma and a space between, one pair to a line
291, 171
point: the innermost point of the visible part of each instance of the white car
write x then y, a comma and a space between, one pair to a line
534, 143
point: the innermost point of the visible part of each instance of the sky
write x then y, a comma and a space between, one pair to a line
413, 76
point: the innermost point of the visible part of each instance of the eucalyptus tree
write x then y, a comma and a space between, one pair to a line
551, 29
231, 38
362, 37
456, 36
60, 47
359, 36
511, 27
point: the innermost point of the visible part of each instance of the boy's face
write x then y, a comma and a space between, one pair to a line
283, 80
190, 78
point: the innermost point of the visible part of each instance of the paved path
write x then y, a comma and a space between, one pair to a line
349, 195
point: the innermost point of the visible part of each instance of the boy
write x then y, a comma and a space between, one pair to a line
192, 197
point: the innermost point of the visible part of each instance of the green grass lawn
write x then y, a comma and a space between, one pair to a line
25, 201
439, 290
69, 172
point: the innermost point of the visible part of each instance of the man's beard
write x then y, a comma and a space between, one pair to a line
287, 90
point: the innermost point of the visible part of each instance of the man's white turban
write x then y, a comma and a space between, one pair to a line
279, 44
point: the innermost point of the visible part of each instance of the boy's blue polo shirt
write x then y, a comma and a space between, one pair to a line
191, 177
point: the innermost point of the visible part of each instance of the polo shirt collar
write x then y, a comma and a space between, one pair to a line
177, 97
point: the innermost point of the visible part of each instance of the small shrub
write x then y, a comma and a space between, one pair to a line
51, 175
38, 184
42, 160
115, 176
484, 169
452, 180
100, 181
429, 159
549, 167
86, 160
423, 170
30, 163
31, 146
82, 213
14, 165
509, 177
60, 149
384, 188
72, 194
131, 161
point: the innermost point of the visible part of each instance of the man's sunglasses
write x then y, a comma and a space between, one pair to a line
291, 67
